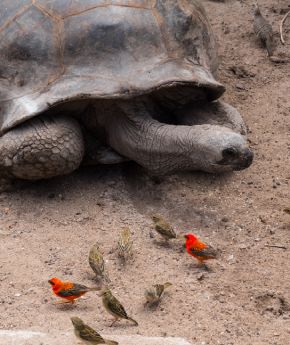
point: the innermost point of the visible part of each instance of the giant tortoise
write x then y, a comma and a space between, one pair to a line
103, 81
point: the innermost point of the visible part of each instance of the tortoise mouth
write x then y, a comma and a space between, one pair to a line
245, 160
237, 160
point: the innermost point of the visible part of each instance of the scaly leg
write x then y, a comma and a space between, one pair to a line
41, 148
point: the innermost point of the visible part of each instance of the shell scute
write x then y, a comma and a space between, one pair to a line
29, 54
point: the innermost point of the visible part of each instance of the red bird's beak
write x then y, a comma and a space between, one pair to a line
51, 282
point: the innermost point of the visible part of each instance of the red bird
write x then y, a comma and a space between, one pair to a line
198, 249
67, 290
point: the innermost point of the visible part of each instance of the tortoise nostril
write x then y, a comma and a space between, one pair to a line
248, 157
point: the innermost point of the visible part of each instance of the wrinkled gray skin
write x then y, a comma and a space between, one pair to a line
208, 137
105, 82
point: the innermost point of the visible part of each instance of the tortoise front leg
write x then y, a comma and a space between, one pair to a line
41, 148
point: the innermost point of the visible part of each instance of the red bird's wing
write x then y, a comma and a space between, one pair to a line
70, 289
208, 252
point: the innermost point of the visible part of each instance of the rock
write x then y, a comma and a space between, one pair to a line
200, 276
25, 337
240, 71
225, 219
243, 246
240, 86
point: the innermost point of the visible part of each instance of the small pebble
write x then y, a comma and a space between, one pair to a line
60, 196
241, 87
243, 246
272, 231
200, 276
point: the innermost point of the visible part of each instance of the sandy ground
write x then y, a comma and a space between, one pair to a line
47, 227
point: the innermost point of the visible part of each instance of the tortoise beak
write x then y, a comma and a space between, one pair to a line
246, 159
239, 160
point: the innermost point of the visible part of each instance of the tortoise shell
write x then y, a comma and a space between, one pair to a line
54, 51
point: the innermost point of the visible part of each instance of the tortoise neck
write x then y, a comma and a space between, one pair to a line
161, 148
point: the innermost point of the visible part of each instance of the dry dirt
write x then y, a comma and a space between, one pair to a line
48, 227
